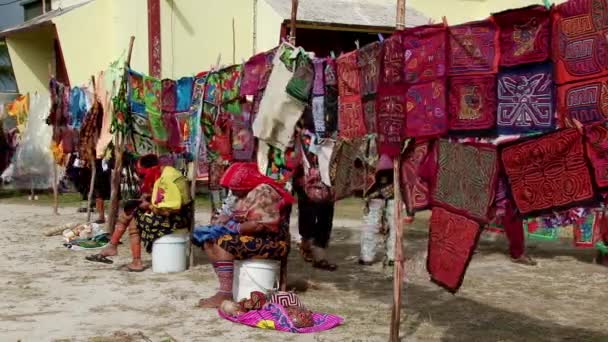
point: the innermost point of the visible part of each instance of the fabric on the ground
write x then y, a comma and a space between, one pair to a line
548, 173
585, 101
526, 99
275, 317
579, 44
472, 103
452, 242
525, 35
466, 179
474, 48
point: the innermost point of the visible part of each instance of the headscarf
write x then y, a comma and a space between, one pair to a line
246, 177
150, 176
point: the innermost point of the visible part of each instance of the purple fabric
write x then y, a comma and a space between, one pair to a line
276, 315
169, 95
318, 88
252, 74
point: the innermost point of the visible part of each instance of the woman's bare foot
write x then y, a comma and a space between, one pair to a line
111, 250
135, 266
215, 301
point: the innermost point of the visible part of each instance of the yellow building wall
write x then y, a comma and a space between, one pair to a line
461, 11
268, 27
31, 53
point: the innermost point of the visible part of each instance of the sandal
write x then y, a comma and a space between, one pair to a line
325, 265
100, 221
306, 254
524, 260
99, 258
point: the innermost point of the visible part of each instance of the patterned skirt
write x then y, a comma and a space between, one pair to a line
271, 246
153, 226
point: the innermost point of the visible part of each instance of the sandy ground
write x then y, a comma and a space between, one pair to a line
49, 293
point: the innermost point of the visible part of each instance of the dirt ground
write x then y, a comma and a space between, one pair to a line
49, 293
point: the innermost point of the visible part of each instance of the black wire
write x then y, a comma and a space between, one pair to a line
10, 2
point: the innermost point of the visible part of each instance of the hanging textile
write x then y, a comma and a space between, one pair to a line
79, 106
190, 126
525, 35
300, 85
136, 92
351, 123
183, 94
252, 73
526, 100
596, 143
345, 171
330, 100
18, 109
392, 72
466, 179
587, 231
89, 134
169, 95
418, 167
472, 104
369, 61
391, 109
278, 112
452, 241
425, 53
579, 43
426, 110
548, 173
108, 82
585, 101
474, 48
243, 142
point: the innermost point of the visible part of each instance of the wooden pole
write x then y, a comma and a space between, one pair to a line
92, 161
118, 152
294, 16
55, 168
398, 271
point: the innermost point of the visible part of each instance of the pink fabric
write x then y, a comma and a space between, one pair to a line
391, 109
426, 110
275, 317
252, 74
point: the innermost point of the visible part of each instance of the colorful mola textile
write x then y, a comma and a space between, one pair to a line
585, 101
472, 103
596, 141
345, 173
426, 110
466, 179
349, 79
579, 42
526, 100
425, 53
548, 173
351, 123
525, 35
275, 317
417, 168
474, 48
369, 61
392, 61
391, 110
452, 241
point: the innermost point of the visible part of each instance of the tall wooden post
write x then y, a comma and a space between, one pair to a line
92, 161
119, 148
292, 24
398, 271
55, 167
154, 39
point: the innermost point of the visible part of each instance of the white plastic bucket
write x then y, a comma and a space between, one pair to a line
254, 275
169, 254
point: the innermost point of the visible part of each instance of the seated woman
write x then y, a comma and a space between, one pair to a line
168, 210
257, 226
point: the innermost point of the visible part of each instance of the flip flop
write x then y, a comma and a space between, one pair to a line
99, 258
324, 265
126, 268
100, 221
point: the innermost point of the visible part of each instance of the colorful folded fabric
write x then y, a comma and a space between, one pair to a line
525, 35
169, 95
474, 48
585, 101
275, 317
393, 56
426, 110
391, 107
466, 179
452, 241
596, 142
472, 103
184, 94
548, 173
526, 100
369, 62
579, 43
425, 53
416, 167
536, 229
